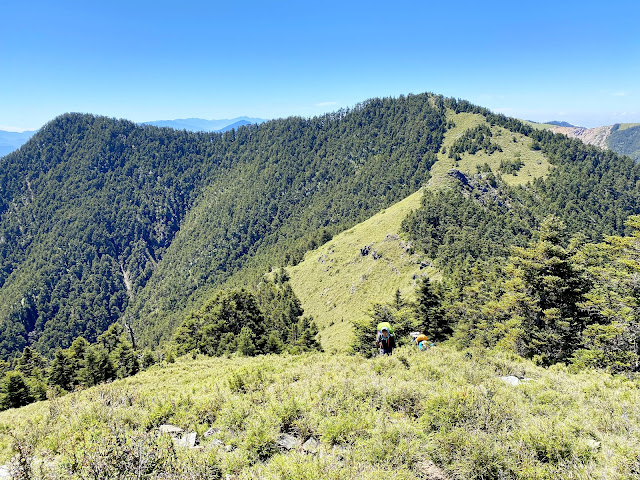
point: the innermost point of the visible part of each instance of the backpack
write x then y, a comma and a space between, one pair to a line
386, 325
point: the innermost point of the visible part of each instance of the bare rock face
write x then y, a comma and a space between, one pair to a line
591, 136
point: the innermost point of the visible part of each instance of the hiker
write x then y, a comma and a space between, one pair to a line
422, 341
385, 341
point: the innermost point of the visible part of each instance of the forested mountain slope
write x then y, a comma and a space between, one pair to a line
297, 183
103, 220
90, 207
494, 181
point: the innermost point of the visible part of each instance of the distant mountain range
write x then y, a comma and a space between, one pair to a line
561, 124
203, 125
623, 138
10, 141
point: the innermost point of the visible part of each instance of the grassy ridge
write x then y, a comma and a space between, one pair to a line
399, 417
626, 126
535, 163
337, 285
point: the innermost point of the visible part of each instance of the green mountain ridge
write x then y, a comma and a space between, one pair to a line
515, 250
105, 221
338, 285
257, 196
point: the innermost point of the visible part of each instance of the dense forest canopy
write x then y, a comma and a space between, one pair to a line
103, 219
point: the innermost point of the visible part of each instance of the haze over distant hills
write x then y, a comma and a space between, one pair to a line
10, 141
203, 125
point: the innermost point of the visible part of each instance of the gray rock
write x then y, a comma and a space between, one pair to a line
311, 445
340, 452
170, 429
593, 444
511, 380
211, 431
187, 440
217, 443
190, 439
288, 442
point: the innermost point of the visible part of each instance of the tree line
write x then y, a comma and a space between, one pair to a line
245, 322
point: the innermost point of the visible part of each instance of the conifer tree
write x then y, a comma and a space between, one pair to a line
61, 372
545, 293
429, 312
16, 391
127, 361
31, 363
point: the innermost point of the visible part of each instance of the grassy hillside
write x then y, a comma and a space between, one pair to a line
626, 126
514, 146
337, 284
441, 414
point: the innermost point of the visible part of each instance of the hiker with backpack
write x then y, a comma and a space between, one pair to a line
385, 341
422, 342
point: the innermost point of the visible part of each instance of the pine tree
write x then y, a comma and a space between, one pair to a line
246, 342
97, 367
545, 294
127, 361
17, 392
612, 341
31, 363
61, 371
429, 312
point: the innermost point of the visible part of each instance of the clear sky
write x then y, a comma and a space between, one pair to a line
155, 60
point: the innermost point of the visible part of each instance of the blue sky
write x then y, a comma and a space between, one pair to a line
152, 60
